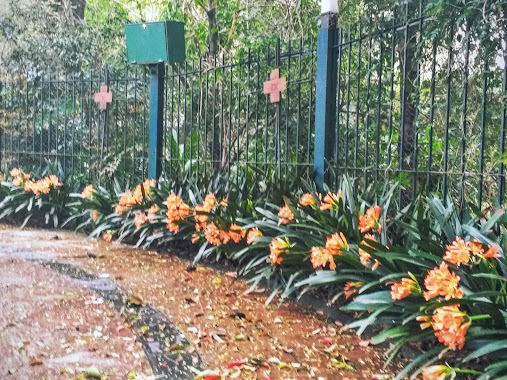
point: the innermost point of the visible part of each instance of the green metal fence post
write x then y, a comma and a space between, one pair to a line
157, 74
325, 101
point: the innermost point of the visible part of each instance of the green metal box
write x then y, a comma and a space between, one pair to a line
155, 42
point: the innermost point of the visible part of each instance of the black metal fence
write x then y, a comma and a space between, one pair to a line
53, 119
216, 118
419, 100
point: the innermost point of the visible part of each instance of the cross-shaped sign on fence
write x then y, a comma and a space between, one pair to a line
274, 86
103, 97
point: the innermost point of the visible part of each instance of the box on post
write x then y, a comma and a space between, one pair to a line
155, 42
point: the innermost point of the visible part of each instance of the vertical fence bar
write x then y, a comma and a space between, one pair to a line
432, 113
229, 125
65, 122
464, 122
310, 105
157, 74
206, 105
338, 102
325, 102
257, 119
501, 169
247, 125
199, 114
447, 115
278, 120
358, 100
484, 104
404, 164
298, 123
287, 106
379, 108
57, 117
367, 115
391, 98
237, 156
266, 107
417, 102
125, 125
347, 121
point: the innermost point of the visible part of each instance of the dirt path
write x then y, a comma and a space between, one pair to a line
53, 328
233, 332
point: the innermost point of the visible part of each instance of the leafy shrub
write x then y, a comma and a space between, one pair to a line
23, 197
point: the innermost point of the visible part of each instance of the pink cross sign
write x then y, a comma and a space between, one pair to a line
103, 97
274, 86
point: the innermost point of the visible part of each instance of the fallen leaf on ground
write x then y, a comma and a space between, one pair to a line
135, 300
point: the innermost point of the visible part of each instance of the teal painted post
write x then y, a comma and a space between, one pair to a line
157, 73
325, 101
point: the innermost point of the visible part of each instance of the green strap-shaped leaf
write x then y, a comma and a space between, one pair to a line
487, 349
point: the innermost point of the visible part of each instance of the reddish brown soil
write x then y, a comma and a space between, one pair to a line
208, 307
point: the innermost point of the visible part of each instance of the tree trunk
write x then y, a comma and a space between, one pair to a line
409, 71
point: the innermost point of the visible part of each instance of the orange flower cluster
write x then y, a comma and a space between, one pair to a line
370, 220
212, 233
201, 219
286, 215
436, 372
351, 288
216, 236
146, 188
331, 201
449, 324
364, 256
458, 252
440, 281
335, 244
276, 248
236, 233
129, 198
252, 235
140, 219
126, 200
108, 236
2, 177
152, 211
42, 186
320, 257
402, 289
307, 200
95, 215
176, 210
461, 252
87, 192
19, 177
